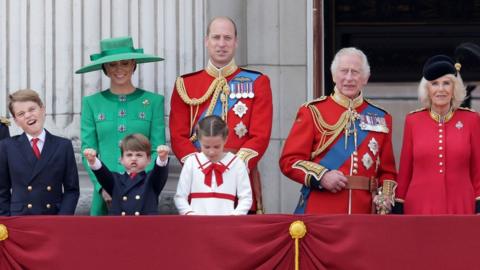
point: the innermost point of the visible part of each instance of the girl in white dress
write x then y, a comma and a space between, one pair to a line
213, 182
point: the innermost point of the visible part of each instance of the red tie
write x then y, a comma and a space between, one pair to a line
218, 169
132, 175
36, 151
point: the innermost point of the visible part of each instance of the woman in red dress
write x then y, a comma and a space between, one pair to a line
440, 160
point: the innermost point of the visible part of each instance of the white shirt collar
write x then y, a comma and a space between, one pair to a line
41, 137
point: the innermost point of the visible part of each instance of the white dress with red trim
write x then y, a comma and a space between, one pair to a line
206, 188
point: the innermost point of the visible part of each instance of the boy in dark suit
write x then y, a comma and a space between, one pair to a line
133, 192
38, 171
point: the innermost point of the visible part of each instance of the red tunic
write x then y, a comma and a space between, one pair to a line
257, 120
439, 166
305, 138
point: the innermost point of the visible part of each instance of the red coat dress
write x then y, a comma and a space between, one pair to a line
249, 120
373, 157
440, 163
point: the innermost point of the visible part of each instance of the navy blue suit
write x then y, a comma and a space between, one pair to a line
138, 196
36, 184
4, 131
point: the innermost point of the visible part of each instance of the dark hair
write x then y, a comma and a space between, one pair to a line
212, 125
136, 142
23, 95
224, 18
105, 69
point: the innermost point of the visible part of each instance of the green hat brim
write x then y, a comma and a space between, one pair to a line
138, 57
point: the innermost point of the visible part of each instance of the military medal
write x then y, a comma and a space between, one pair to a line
141, 115
373, 145
250, 90
232, 91
238, 94
367, 161
373, 123
146, 102
240, 129
244, 90
101, 117
240, 109
122, 98
459, 125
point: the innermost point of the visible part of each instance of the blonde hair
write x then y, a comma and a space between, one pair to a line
459, 92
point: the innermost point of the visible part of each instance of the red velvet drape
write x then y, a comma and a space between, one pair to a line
247, 242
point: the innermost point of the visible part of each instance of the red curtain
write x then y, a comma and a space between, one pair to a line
247, 242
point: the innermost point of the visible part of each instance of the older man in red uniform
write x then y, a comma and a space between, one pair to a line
241, 97
340, 147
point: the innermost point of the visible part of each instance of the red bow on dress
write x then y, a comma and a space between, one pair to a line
218, 169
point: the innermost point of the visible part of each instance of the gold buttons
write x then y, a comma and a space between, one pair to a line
123, 213
354, 171
440, 141
137, 213
440, 136
440, 148
125, 198
137, 197
355, 165
49, 188
29, 206
440, 130
48, 206
440, 163
29, 188
440, 171
440, 156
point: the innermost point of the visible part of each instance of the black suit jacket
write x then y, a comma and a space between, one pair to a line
31, 186
4, 133
137, 196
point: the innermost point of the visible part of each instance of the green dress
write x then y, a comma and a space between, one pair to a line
107, 118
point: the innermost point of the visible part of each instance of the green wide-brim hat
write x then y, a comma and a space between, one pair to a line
116, 49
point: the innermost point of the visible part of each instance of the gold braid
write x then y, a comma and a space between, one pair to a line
219, 87
326, 129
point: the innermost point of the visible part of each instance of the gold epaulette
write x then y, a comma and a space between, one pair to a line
308, 103
418, 110
466, 109
5, 121
375, 105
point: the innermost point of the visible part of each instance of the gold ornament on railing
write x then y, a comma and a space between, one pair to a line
297, 231
3, 232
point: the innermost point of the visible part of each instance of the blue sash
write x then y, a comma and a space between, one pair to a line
217, 110
338, 155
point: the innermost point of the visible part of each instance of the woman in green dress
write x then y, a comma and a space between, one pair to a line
123, 109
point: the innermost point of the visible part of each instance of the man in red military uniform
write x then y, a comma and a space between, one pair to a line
241, 97
340, 147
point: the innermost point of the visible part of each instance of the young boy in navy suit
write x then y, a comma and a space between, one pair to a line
133, 192
38, 171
